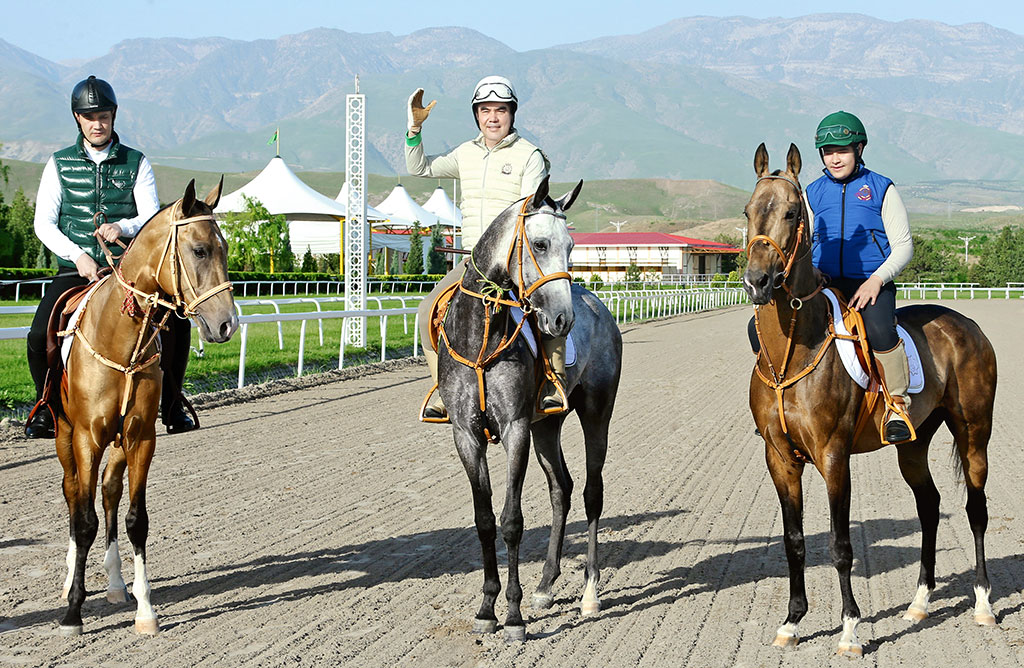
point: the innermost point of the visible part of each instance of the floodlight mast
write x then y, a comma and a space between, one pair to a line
355, 218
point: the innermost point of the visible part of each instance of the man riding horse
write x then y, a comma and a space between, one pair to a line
495, 169
97, 188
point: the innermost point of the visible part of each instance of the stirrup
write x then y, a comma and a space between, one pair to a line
435, 416
553, 409
902, 428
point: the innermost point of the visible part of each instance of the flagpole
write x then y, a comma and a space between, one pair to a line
278, 136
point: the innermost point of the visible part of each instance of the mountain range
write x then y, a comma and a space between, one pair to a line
691, 99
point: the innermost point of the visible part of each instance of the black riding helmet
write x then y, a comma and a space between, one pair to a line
93, 94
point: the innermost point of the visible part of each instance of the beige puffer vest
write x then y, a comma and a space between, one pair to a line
491, 180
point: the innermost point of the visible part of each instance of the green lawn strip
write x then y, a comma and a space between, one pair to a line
218, 367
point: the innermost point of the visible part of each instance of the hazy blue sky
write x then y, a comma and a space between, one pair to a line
61, 30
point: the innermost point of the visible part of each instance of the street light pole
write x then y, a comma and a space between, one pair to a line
966, 240
744, 231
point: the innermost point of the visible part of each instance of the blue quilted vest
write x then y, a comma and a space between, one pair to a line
849, 238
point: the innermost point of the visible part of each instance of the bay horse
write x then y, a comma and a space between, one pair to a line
820, 402
176, 266
526, 250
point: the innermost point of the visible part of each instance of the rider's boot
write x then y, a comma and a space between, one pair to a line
552, 399
896, 375
176, 342
435, 410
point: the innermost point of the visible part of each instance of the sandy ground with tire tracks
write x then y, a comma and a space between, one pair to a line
325, 526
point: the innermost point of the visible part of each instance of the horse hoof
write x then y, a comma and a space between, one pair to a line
588, 608
542, 601
985, 620
117, 595
915, 615
485, 625
850, 650
73, 630
147, 627
515, 634
785, 641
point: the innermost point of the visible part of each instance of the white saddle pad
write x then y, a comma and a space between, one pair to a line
848, 351
66, 341
531, 338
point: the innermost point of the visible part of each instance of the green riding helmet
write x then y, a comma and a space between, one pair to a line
840, 129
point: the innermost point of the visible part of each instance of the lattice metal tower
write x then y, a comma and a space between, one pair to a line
355, 220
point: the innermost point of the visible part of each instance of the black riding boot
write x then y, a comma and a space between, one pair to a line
176, 342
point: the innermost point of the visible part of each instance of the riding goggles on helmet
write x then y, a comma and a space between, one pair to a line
834, 132
497, 92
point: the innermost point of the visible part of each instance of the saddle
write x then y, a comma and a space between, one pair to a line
875, 387
437, 314
63, 309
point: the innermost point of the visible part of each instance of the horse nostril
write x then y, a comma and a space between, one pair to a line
559, 321
762, 281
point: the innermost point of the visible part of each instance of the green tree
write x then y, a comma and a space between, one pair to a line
436, 262
8, 249
632, 274
1001, 260
414, 263
397, 264
308, 262
258, 241
20, 221
933, 261
380, 267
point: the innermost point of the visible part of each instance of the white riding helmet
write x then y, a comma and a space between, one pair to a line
494, 89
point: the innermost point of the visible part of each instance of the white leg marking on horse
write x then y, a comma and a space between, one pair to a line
787, 635
848, 643
145, 617
117, 592
918, 610
983, 614
590, 605
70, 561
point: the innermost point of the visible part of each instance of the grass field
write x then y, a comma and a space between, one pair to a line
217, 368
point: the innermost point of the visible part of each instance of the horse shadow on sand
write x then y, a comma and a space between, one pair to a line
437, 553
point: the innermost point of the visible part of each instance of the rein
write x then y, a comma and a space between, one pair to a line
778, 381
151, 302
491, 298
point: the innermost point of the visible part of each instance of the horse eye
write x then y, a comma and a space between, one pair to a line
791, 214
199, 252
541, 246
746, 215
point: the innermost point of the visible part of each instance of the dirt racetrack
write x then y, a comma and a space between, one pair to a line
326, 526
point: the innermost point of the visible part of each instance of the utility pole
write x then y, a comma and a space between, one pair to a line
966, 240
744, 231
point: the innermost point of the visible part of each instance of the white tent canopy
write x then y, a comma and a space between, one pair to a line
314, 220
403, 211
444, 208
372, 214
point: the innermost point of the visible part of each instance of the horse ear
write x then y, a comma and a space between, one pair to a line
188, 200
541, 194
566, 200
793, 162
213, 199
761, 161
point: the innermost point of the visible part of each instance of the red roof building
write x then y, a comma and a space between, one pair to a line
657, 255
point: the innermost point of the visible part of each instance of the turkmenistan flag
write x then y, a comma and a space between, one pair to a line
272, 139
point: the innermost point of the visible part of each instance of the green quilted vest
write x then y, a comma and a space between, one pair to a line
87, 188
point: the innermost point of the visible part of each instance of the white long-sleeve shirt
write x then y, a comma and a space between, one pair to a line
50, 196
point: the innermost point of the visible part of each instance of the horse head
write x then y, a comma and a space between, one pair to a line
780, 243
527, 248
182, 254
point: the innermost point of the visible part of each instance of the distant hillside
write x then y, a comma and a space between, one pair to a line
689, 100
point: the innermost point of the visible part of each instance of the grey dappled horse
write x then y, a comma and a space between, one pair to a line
511, 390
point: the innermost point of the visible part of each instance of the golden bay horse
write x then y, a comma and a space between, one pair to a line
806, 405
176, 266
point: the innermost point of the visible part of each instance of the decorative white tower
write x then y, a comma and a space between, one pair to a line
355, 220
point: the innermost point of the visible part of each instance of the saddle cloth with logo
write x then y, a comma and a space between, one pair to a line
848, 351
